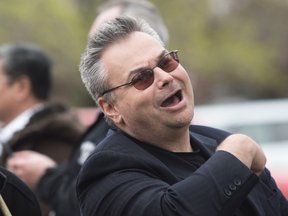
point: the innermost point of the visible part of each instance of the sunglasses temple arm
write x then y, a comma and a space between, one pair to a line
116, 88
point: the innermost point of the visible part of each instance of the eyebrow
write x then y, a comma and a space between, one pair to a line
138, 70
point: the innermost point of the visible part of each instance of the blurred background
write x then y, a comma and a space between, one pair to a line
232, 50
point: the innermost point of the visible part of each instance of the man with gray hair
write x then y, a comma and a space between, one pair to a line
154, 162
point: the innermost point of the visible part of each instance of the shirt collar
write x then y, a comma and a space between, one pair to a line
17, 124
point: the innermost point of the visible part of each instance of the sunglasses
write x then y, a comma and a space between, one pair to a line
145, 78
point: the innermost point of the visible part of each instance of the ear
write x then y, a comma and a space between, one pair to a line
110, 110
23, 88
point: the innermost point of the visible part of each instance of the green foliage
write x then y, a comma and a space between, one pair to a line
58, 28
239, 47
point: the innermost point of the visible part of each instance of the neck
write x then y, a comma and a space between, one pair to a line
174, 140
177, 140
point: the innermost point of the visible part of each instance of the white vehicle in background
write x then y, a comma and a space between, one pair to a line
266, 121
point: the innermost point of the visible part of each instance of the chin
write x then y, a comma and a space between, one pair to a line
180, 122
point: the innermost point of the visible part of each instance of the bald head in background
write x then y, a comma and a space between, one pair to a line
139, 9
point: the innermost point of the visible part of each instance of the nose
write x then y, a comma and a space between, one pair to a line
162, 78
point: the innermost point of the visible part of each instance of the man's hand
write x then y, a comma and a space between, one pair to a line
246, 150
29, 166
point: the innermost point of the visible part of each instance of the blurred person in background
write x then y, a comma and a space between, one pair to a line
30, 121
57, 185
139, 9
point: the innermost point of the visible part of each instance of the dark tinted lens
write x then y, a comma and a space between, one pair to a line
143, 79
169, 62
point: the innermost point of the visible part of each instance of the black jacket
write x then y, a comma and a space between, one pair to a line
57, 186
19, 198
123, 177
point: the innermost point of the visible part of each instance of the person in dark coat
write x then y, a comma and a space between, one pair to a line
155, 162
16, 197
29, 120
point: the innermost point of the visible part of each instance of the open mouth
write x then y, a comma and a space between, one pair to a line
173, 100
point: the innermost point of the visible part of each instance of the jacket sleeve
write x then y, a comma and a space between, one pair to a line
276, 199
123, 185
57, 188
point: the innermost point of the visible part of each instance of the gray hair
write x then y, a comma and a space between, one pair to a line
93, 75
141, 9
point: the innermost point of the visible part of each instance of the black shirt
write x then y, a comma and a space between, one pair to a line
195, 158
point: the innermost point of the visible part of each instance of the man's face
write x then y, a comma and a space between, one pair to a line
166, 104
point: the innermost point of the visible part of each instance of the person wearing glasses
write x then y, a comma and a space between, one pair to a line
154, 162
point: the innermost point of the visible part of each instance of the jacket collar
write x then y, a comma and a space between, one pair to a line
206, 145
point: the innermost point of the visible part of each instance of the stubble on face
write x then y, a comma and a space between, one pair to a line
141, 111
181, 121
